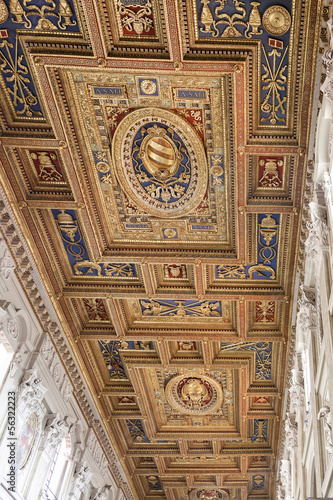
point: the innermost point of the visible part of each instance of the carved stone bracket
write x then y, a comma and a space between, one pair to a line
290, 426
81, 478
280, 492
30, 392
296, 391
318, 231
327, 86
100, 493
54, 432
307, 312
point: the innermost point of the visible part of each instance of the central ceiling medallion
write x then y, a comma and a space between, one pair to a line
160, 162
198, 394
209, 494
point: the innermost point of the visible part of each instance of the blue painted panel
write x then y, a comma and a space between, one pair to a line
233, 19
181, 308
267, 257
136, 431
112, 360
263, 350
44, 16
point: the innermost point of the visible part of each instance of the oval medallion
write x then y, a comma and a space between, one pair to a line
160, 160
276, 20
197, 394
209, 494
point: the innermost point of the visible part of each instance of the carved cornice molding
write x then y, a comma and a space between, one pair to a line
23, 261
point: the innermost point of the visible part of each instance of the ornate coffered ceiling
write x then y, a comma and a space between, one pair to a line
153, 153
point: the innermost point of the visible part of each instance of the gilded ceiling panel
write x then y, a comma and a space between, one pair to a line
153, 153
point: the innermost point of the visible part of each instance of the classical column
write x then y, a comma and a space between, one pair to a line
297, 412
285, 478
326, 416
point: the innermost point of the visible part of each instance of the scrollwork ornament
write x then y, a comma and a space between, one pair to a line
285, 476
66, 389
100, 493
326, 182
13, 328
23, 14
48, 351
307, 314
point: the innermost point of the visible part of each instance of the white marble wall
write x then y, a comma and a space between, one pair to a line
43, 387
306, 455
